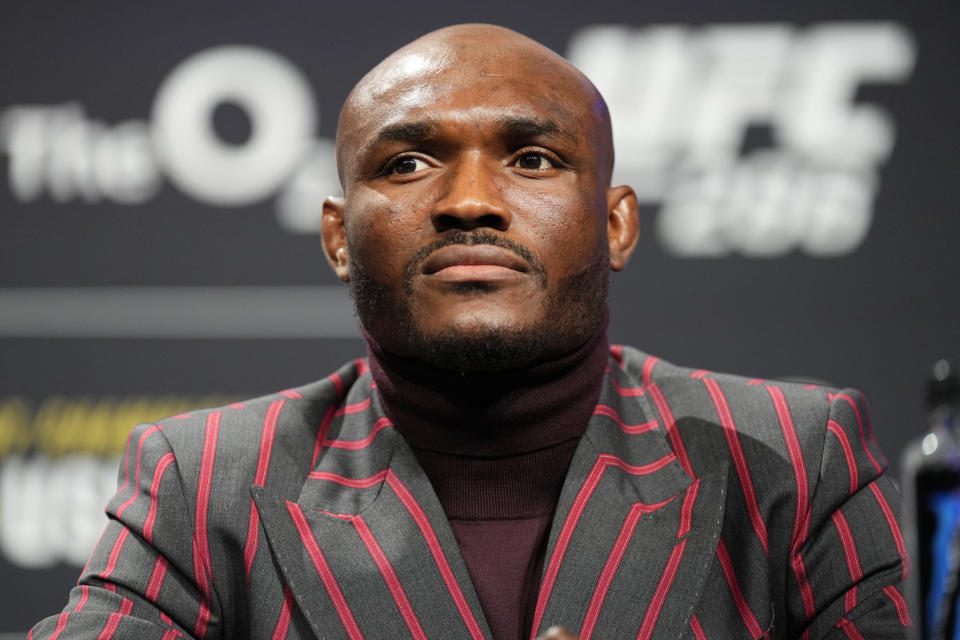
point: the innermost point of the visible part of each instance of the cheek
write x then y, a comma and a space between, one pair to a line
381, 233
564, 228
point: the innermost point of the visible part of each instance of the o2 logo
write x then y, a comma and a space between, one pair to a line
58, 151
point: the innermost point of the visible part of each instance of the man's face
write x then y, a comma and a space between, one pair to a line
475, 214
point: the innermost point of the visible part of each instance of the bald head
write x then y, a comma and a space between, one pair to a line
487, 58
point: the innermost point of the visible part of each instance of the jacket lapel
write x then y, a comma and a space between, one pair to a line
366, 548
634, 535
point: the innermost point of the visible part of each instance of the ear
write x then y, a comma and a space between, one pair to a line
334, 236
623, 225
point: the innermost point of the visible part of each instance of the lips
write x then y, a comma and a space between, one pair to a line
480, 260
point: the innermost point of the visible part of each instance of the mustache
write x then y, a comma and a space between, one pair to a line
412, 267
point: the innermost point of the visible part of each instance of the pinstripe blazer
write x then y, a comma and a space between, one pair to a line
697, 505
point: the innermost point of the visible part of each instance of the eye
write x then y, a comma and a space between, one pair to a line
538, 161
406, 165
535, 162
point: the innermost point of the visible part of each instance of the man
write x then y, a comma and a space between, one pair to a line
494, 469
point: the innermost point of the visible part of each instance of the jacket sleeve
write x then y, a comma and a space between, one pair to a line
142, 580
847, 570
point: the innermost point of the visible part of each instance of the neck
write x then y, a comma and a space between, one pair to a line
490, 414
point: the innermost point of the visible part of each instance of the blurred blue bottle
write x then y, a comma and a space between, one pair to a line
930, 470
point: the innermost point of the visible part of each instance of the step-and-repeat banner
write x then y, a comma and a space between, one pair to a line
162, 168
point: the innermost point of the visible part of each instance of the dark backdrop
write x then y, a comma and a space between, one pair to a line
798, 163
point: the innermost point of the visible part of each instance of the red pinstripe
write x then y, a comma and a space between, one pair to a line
410, 503
629, 429
755, 382
796, 461
803, 582
113, 620
894, 529
156, 579
322, 434
324, 571
603, 461
652, 614
626, 392
237, 405
356, 483
647, 371
260, 479
252, 540
849, 629
203, 611
357, 407
739, 460
686, 509
836, 429
84, 596
171, 634
637, 511
114, 553
361, 365
850, 555
283, 620
390, 577
136, 481
290, 393
63, 617
696, 628
616, 351
863, 437
337, 382
670, 424
749, 619
699, 373
327, 419
378, 426
900, 604
201, 557
801, 521
266, 441
165, 461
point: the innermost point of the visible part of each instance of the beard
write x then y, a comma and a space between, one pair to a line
572, 313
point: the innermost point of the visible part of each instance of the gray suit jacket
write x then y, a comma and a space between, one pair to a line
697, 505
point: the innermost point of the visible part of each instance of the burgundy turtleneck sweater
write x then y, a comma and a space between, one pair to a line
496, 448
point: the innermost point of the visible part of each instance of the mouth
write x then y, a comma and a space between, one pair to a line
473, 263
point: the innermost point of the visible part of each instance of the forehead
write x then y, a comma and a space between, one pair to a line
479, 89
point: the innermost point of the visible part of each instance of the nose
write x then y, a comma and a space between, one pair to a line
471, 197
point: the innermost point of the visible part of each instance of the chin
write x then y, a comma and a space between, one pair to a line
480, 347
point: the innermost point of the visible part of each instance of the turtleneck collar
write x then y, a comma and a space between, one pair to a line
491, 415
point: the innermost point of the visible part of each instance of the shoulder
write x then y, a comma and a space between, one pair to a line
285, 423
721, 414
716, 395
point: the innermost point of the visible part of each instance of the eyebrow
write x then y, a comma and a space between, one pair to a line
525, 127
406, 131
